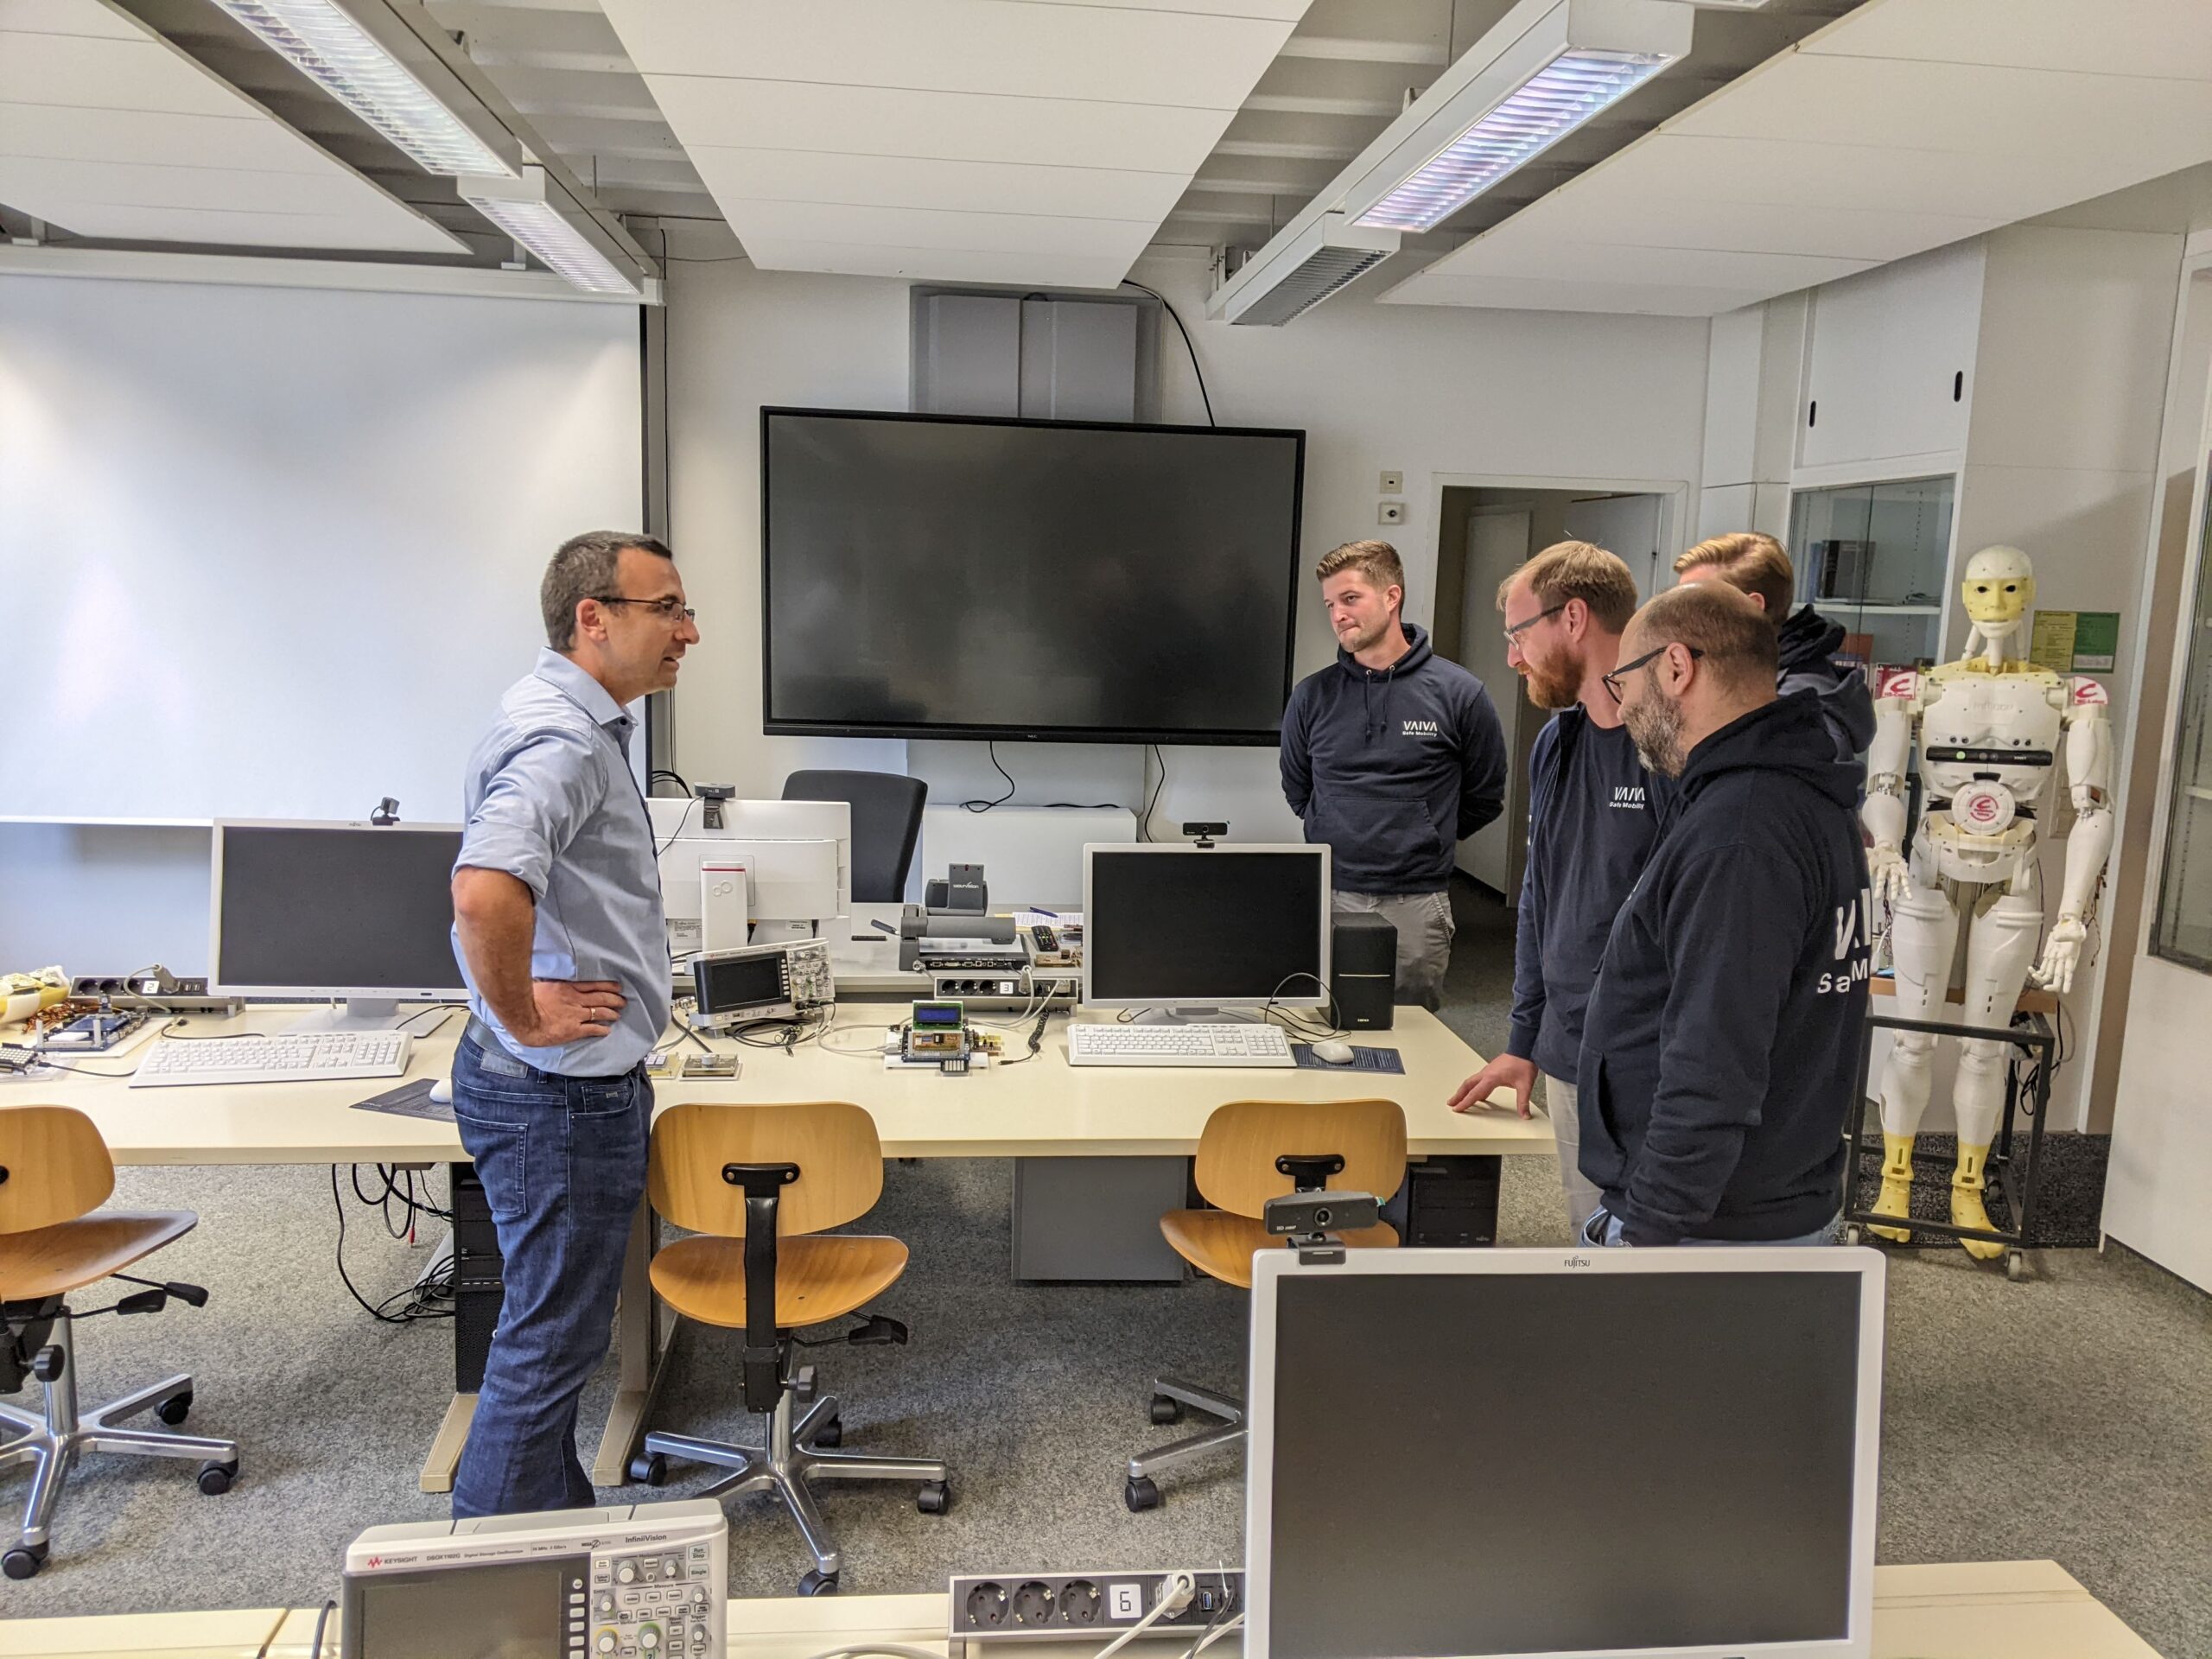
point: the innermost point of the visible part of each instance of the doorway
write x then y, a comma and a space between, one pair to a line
1485, 532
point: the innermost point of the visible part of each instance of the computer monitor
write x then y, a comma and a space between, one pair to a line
798, 857
1185, 931
315, 909
1471, 1454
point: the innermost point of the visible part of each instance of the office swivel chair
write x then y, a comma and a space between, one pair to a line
757, 1185
55, 1172
886, 824
1251, 1151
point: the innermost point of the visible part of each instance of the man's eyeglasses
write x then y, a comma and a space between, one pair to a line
1613, 680
667, 608
1514, 631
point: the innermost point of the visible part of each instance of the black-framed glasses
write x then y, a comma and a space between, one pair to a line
1514, 631
667, 608
1613, 680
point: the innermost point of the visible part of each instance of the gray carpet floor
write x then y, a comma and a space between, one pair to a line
2069, 1416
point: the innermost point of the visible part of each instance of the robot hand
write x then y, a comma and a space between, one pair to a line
2062, 953
1886, 874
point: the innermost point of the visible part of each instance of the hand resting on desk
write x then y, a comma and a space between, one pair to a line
1506, 1071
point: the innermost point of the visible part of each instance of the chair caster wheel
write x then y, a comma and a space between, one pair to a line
830, 1434
174, 1409
1140, 1493
1166, 1409
649, 1469
215, 1478
804, 1386
2016, 1267
818, 1584
24, 1561
1852, 1236
933, 1497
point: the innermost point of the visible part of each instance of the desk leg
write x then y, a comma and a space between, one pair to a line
445, 1449
642, 1339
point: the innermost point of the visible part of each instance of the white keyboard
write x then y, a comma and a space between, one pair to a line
1248, 1044
295, 1057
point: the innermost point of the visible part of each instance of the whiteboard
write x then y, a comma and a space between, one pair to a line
272, 552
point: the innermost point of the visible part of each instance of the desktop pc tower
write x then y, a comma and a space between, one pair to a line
478, 1287
1363, 969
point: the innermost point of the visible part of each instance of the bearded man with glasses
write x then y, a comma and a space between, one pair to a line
557, 925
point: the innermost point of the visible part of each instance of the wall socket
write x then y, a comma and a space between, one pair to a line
1392, 512
1392, 484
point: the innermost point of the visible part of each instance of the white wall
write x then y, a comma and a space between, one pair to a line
1426, 392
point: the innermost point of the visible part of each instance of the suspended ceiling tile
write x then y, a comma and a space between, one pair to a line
51, 133
1649, 219
1285, 11
968, 46
906, 227
941, 126
94, 72
137, 184
976, 186
66, 17
940, 264
216, 226
1571, 294
2098, 37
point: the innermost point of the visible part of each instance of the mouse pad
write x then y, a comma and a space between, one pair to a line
1363, 1059
409, 1100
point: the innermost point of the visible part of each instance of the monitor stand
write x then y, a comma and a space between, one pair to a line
354, 1013
1192, 1015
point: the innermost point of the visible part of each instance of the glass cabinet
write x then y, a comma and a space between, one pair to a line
2184, 930
1872, 557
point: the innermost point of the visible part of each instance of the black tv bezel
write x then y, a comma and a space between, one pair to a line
1217, 737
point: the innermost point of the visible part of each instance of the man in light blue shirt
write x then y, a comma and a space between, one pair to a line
558, 926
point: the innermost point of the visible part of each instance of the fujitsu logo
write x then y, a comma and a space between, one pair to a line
1421, 729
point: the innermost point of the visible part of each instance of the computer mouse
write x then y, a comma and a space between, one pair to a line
1330, 1052
442, 1090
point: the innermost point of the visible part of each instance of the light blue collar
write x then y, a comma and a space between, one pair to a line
595, 699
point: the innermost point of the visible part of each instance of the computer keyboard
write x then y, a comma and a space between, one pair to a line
295, 1057
1247, 1045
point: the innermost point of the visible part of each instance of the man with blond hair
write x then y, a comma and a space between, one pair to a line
1727, 1029
1757, 567
1392, 755
1594, 815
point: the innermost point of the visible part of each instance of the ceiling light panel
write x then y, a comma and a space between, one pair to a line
520, 208
324, 43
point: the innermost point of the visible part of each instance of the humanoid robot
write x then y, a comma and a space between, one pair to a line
1989, 729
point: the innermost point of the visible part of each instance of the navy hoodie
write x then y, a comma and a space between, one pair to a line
1723, 1036
1393, 767
1808, 642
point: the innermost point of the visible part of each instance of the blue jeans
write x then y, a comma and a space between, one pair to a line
562, 1161
1613, 1234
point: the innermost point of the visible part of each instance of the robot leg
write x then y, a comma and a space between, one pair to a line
2000, 949
1923, 932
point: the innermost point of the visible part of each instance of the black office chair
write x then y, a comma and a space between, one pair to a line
886, 824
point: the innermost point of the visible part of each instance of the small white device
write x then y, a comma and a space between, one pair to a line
1330, 1052
725, 907
1243, 1045
634, 1581
293, 1057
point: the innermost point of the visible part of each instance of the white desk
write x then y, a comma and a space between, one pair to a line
1041, 1107
1993, 1609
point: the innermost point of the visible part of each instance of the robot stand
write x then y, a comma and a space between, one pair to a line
2017, 1180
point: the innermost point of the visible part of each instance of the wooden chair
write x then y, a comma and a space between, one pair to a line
1251, 1151
55, 1172
759, 1185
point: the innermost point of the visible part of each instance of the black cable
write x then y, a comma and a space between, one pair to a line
1144, 825
672, 834
984, 806
447, 1009
415, 1297
1196, 370
315, 1647
663, 772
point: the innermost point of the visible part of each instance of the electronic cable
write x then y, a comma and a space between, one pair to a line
1198, 373
979, 805
314, 1647
1175, 1594
1144, 823
415, 1300
663, 772
683, 819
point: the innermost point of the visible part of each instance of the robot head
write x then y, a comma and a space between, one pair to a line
1999, 587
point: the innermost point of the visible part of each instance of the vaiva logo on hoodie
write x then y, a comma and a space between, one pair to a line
1421, 729
1854, 944
1629, 796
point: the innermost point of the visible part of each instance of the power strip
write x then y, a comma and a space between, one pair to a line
184, 996
1074, 1606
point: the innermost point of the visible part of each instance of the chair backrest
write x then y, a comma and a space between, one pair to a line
833, 1142
56, 1166
1241, 1141
886, 824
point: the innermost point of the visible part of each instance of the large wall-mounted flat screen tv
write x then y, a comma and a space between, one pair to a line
949, 576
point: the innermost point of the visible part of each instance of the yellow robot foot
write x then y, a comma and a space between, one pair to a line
1895, 1198
1966, 1207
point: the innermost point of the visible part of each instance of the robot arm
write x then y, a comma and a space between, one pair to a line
2088, 770
1883, 815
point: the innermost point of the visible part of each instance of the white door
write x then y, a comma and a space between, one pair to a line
1498, 543
1628, 525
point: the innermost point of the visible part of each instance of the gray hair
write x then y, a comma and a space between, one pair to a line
584, 568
